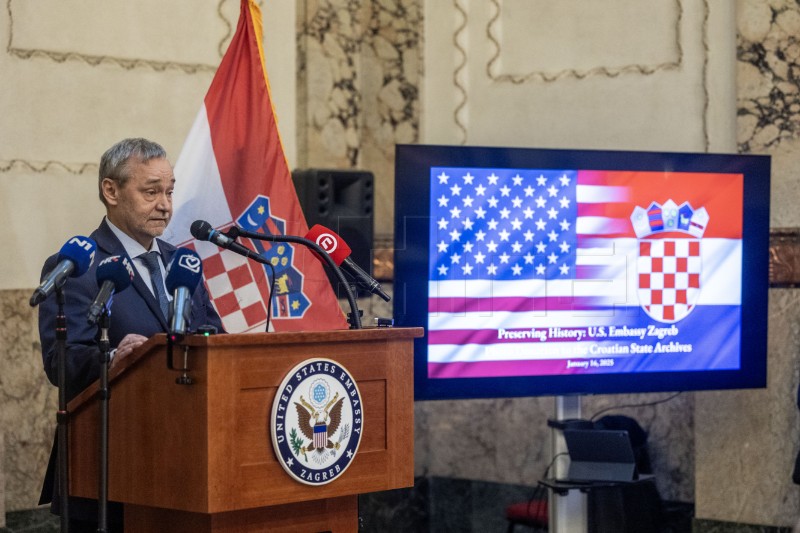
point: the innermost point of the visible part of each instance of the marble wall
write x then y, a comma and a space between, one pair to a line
29, 402
752, 436
2, 482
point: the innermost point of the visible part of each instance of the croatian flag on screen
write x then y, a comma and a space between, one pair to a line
567, 271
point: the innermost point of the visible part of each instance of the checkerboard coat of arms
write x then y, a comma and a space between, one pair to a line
238, 288
669, 264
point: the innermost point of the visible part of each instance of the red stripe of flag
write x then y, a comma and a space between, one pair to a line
720, 194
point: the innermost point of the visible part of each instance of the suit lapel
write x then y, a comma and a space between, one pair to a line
108, 242
167, 251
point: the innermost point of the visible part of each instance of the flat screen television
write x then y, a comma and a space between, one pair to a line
559, 272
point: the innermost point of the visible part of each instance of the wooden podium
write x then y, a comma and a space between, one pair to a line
199, 457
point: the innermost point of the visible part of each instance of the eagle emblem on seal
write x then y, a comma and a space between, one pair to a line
326, 422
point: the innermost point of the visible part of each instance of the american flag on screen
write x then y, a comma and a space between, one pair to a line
505, 225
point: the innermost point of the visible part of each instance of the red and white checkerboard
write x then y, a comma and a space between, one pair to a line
237, 287
669, 277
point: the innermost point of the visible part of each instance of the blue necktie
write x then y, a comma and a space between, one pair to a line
151, 262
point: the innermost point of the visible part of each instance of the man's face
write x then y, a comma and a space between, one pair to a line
142, 207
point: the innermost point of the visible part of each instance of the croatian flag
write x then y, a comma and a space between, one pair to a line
529, 268
232, 170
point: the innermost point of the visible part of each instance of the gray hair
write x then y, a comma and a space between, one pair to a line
114, 164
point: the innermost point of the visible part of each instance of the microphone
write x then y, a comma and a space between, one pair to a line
183, 276
114, 274
74, 259
333, 244
203, 231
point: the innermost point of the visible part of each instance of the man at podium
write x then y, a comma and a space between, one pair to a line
135, 185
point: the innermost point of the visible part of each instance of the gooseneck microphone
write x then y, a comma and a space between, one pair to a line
184, 273
114, 274
335, 246
203, 231
74, 259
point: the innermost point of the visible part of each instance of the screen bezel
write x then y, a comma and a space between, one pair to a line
412, 202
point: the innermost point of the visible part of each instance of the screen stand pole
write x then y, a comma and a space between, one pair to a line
568, 512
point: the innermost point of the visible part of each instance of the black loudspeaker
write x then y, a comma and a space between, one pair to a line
341, 200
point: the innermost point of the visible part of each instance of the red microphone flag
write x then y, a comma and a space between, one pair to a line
329, 241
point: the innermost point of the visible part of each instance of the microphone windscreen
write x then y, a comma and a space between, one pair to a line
329, 241
80, 251
117, 269
185, 269
201, 230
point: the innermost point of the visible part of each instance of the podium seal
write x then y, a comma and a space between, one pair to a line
316, 421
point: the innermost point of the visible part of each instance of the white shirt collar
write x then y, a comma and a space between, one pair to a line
132, 248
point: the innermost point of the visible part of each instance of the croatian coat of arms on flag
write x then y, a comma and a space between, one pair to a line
669, 262
238, 288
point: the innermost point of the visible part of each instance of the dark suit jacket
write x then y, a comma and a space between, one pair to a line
134, 310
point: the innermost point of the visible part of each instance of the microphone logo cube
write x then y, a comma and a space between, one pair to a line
128, 266
327, 242
190, 262
86, 244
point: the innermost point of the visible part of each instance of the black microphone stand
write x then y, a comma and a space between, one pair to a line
105, 395
355, 315
62, 416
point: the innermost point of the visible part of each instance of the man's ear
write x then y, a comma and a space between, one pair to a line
110, 190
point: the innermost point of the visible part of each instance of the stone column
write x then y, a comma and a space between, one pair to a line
357, 89
2, 482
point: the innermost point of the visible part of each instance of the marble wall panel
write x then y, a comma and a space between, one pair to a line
768, 74
114, 31
769, 96
2, 481
519, 73
99, 85
28, 402
358, 85
580, 36
746, 441
504, 440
